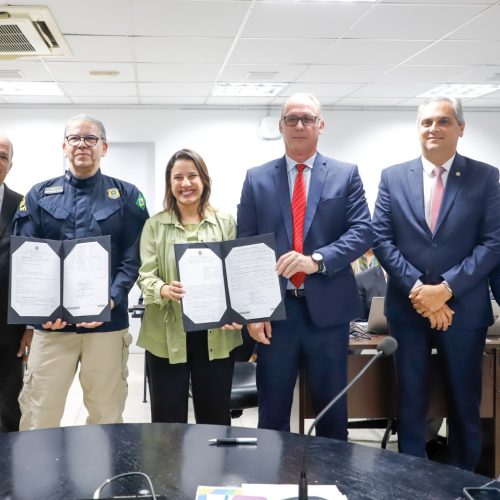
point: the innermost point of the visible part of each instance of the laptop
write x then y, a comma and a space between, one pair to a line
494, 329
377, 322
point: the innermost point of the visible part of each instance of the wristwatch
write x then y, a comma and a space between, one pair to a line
447, 286
319, 261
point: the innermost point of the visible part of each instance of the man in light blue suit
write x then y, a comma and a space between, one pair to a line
315, 251
437, 234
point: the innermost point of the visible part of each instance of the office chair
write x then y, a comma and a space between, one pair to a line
244, 386
244, 389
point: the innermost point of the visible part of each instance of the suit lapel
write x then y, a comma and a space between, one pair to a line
316, 183
416, 192
8, 208
456, 179
283, 193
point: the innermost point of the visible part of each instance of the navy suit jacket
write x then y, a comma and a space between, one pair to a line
9, 334
371, 283
337, 224
463, 250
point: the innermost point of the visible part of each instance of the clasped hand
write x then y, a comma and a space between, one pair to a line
430, 302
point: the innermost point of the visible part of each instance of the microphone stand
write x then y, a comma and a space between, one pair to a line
385, 348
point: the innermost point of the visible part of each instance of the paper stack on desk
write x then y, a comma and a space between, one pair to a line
265, 492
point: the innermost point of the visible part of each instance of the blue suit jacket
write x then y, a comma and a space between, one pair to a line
337, 225
463, 250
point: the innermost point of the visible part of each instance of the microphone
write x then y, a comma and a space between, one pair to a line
386, 348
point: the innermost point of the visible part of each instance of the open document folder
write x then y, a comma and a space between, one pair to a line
229, 281
52, 279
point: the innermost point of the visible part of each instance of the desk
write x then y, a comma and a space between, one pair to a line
374, 395
70, 462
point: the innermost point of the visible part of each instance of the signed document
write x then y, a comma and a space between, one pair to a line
53, 279
229, 281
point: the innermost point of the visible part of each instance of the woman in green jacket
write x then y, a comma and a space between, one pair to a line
173, 357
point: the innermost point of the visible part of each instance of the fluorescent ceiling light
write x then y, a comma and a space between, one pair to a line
30, 88
461, 90
247, 89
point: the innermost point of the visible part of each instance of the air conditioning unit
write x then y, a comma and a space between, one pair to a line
30, 31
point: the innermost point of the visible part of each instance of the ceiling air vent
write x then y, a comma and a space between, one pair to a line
30, 31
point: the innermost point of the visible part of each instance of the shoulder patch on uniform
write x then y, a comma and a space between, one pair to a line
113, 193
22, 205
141, 202
53, 190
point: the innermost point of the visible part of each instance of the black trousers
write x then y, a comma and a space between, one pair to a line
210, 384
11, 382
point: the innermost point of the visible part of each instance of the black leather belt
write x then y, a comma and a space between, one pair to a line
297, 293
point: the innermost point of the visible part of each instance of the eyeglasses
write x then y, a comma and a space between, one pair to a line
89, 140
307, 120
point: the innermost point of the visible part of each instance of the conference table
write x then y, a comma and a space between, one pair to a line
70, 463
374, 395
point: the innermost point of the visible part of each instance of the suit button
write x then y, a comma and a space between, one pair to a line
427, 271
434, 245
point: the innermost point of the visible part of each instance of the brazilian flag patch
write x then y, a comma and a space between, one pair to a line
141, 202
22, 205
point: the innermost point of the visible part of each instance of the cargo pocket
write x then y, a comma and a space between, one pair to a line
25, 403
126, 341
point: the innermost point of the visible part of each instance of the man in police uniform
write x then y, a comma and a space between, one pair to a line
83, 203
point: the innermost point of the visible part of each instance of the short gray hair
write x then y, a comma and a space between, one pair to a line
302, 95
455, 102
8, 141
87, 118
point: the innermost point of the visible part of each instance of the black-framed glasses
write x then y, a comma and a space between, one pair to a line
307, 120
89, 140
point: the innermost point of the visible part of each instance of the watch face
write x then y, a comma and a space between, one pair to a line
317, 257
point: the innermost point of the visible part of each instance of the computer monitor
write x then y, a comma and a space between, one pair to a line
494, 329
377, 322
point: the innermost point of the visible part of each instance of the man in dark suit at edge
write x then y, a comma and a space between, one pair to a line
437, 234
316, 208
14, 340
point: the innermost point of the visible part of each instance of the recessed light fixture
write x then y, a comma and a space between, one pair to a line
461, 90
247, 89
30, 88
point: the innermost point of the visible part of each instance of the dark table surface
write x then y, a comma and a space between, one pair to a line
70, 462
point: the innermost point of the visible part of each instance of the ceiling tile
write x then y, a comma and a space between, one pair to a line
284, 72
390, 90
33, 71
239, 101
35, 99
181, 50
115, 100
341, 73
187, 17
302, 19
174, 89
412, 22
368, 101
99, 89
260, 50
422, 74
459, 52
99, 48
353, 51
80, 71
322, 90
177, 72
173, 100
485, 27
479, 75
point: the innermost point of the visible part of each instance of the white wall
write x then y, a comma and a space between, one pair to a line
228, 142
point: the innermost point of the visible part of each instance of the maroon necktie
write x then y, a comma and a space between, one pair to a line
437, 196
298, 216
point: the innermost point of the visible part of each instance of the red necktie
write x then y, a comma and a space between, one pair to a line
437, 196
298, 216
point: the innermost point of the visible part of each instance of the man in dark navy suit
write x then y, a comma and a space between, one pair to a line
316, 208
437, 234
12, 341
371, 283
